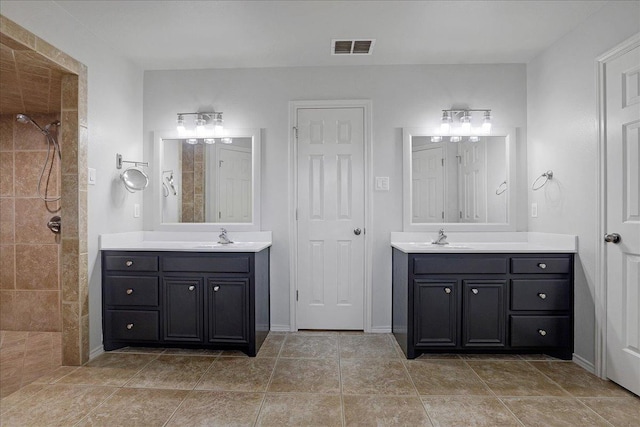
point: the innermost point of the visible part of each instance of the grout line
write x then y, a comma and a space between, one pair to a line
100, 404
342, 409
273, 372
594, 411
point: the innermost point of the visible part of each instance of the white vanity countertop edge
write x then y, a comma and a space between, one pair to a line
507, 242
185, 241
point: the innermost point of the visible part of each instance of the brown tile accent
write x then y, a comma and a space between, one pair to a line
6, 174
37, 267
69, 93
70, 271
71, 334
69, 213
69, 134
16, 33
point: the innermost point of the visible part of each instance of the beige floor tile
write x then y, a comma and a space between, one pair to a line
578, 381
301, 410
192, 352
438, 356
56, 375
515, 379
621, 412
539, 357
214, 408
468, 411
384, 411
135, 407
552, 412
109, 369
375, 376
306, 376
313, 346
271, 346
367, 346
56, 405
21, 395
490, 357
249, 374
144, 350
172, 372
445, 377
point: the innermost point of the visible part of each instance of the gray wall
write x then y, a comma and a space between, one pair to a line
402, 96
561, 117
115, 125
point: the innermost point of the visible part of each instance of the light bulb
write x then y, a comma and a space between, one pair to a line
456, 139
218, 128
436, 138
465, 122
474, 138
445, 125
209, 141
192, 141
180, 125
226, 140
200, 123
486, 122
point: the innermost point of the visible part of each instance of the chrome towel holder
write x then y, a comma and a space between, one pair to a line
537, 184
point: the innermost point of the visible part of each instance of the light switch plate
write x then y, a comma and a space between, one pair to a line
91, 176
136, 210
382, 183
534, 210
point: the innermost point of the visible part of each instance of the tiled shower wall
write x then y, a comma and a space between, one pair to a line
192, 182
29, 251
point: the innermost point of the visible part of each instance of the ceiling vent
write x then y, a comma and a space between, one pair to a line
352, 47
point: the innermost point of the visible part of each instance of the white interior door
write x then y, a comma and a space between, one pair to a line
427, 175
330, 224
473, 181
234, 184
622, 94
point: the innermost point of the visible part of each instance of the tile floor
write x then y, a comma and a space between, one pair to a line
319, 379
26, 356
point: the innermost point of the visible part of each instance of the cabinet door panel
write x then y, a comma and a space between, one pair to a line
228, 310
435, 313
484, 314
183, 307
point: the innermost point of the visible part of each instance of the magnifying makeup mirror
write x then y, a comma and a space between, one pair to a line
134, 179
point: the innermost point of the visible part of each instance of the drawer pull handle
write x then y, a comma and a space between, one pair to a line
447, 290
191, 287
129, 263
542, 332
216, 288
474, 291
129, 326
129, 291
542, 295
542, 265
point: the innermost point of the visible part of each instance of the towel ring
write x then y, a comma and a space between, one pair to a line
547, 176
501, 188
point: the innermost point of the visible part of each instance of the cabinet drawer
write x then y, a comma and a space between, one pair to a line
459, 265
541, 265
131, 290
540, 294
131, 263
129, 325
204, 264
540, 331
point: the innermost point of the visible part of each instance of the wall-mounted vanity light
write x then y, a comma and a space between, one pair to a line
202, 121
463, 122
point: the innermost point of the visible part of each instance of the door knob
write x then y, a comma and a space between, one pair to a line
357, 231
612, 238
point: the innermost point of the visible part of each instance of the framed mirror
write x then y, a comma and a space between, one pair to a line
205, 183
460, 184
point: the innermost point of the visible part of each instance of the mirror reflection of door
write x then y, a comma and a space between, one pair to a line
428, 183
234, 185
472, 169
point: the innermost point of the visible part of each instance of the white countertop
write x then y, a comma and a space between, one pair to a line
185, 241
487, 242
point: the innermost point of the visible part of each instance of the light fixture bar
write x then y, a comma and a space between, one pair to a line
463, 118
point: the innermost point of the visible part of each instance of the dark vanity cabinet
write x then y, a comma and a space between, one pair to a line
483, 303
185, 299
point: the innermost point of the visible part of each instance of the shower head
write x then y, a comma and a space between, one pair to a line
23, 118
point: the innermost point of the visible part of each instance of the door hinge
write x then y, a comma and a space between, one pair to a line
296, 295
296, 214
460, 214
219, 215
295, 130
442, 162
442, 214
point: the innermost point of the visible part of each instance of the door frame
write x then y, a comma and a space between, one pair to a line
294, 106
600, 364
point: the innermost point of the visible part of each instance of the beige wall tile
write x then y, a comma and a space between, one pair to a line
37, 267
7, 267
7, 220
28, 167
57, 56
69, 206
6, 131
31, 218
17, 33
69, 93
7, 318
69, 136
6, 174
70, 271
37, 310
70, 334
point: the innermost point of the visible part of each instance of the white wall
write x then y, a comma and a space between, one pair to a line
561, 117
115, 125
402, 96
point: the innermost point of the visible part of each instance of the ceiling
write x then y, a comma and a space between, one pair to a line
238, 34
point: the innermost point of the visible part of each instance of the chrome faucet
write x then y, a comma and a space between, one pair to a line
442, 238
223, 238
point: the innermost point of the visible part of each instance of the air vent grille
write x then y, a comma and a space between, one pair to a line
352, 47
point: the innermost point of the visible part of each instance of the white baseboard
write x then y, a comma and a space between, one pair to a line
96, 352
583, 363
280, 328
380, 330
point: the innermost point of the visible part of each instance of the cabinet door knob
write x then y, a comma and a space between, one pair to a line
474, 291
216, 288
129, 325
542, 295
542, 332
447, 290
542, 265
129, 263
129, 291
191, 287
